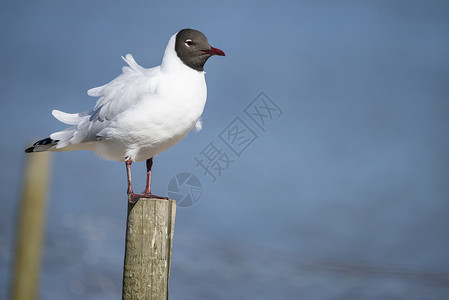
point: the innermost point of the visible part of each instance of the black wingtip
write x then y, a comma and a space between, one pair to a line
43, 142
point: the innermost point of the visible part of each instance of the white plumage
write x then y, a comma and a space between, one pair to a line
140, 113
143, 111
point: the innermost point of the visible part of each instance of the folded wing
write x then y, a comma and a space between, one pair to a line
125, 90
114, 97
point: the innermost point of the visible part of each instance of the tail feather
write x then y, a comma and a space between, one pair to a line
64, 137
71, 119
75, 134
76, 137
42, 145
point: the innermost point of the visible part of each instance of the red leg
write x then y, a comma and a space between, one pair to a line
148, 185
132, 197
128, 163
147, 192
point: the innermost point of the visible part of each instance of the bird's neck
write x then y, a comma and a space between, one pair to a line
172, 63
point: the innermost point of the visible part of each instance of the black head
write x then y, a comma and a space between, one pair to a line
193, 48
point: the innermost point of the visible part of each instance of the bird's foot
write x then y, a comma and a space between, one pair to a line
149, 195
133, 197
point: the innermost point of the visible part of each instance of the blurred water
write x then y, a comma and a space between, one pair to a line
89, 263
345, 196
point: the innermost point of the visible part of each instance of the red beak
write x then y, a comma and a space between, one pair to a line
214, 51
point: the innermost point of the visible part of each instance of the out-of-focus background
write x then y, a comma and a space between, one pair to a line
343, 195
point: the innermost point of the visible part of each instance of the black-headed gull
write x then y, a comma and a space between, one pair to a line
142, 112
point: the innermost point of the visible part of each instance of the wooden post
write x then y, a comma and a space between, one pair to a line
149, 239
30, 228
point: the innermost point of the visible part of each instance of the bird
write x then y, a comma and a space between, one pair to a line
143, 111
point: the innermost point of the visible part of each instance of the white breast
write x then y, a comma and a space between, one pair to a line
158, 121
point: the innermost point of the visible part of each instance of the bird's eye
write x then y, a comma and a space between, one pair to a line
189, 43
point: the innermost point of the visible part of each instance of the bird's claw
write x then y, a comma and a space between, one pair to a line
155, 196
132, 197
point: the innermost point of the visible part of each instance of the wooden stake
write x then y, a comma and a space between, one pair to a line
30, 228
149, 239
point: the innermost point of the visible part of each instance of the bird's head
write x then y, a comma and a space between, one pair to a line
193, 49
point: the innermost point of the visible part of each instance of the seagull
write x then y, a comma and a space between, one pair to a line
142, 112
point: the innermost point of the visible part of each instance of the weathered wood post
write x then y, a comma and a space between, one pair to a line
30, 228
149, 239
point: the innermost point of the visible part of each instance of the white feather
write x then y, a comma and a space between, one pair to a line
199, 125
140, 113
